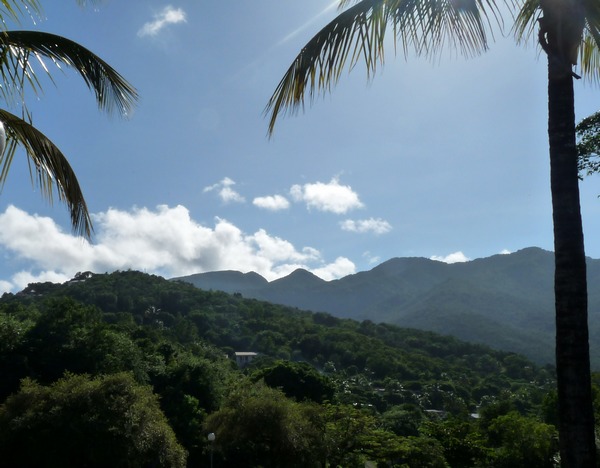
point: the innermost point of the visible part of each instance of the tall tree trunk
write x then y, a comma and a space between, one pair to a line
576, 417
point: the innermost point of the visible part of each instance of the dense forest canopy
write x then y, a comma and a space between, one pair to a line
322, 390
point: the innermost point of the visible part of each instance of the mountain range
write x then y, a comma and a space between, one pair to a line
505, 301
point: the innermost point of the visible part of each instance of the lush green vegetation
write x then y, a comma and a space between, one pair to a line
504, 301
146, 366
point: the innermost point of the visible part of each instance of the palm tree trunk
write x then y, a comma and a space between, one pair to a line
576, 417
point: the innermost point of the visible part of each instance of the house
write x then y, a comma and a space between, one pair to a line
243, 358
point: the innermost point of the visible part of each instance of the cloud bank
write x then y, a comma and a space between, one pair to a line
168, 15
163, 241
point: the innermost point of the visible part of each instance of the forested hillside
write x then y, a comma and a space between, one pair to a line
128, 366
503, 301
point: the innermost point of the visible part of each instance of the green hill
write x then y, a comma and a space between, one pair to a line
143, 338
504, 301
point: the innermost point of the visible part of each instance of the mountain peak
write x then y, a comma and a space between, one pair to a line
300, 276
229, 281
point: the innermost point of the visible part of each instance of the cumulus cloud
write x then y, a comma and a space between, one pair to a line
163, 241
455, 257
272, 203
225, 191
376, 226
341, 267
505, 252
168, 15
331, 197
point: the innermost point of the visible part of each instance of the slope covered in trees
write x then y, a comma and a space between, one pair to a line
322, 390
503, 301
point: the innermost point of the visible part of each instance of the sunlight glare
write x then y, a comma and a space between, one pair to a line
297, 31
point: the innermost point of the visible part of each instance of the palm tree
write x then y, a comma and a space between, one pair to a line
20, 53
568, 29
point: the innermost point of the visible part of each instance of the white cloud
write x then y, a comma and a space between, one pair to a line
372, 259
272, 202
376, 226
169, 15
279, 250
225, 191
456, 257
5, 286
26, 277
505, 252
331, 197
341, 267
164, 241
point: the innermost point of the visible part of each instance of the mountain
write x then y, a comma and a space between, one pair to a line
229, 281
504, 301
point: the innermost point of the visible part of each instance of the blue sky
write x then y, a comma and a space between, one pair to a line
445, 160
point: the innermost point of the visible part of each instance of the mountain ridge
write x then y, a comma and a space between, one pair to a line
505, 301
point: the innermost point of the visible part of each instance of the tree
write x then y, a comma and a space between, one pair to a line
522, 441
259, 426
588, 146
19, 52
297, 380
463, 444
189, 388
78, 421
567, 29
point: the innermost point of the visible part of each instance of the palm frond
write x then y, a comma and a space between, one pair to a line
14, 9
589, 51
423, 26
526, 20
589, 48
49, 169
18, 48
589, 57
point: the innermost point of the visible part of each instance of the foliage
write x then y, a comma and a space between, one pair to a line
351, 391
297, 380
21, 53
588, 146
504, 301
463, 442
78, 421
259, 426
523, 441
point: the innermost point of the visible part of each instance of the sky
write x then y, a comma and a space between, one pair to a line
443, 159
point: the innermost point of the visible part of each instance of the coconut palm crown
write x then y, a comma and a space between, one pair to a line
568, 31
22, 54
425, 28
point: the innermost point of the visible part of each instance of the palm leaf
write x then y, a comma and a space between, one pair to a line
589, 56
49, 166
589, 48
15, 9
424, 26
589, 51
18, 48
526, 20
